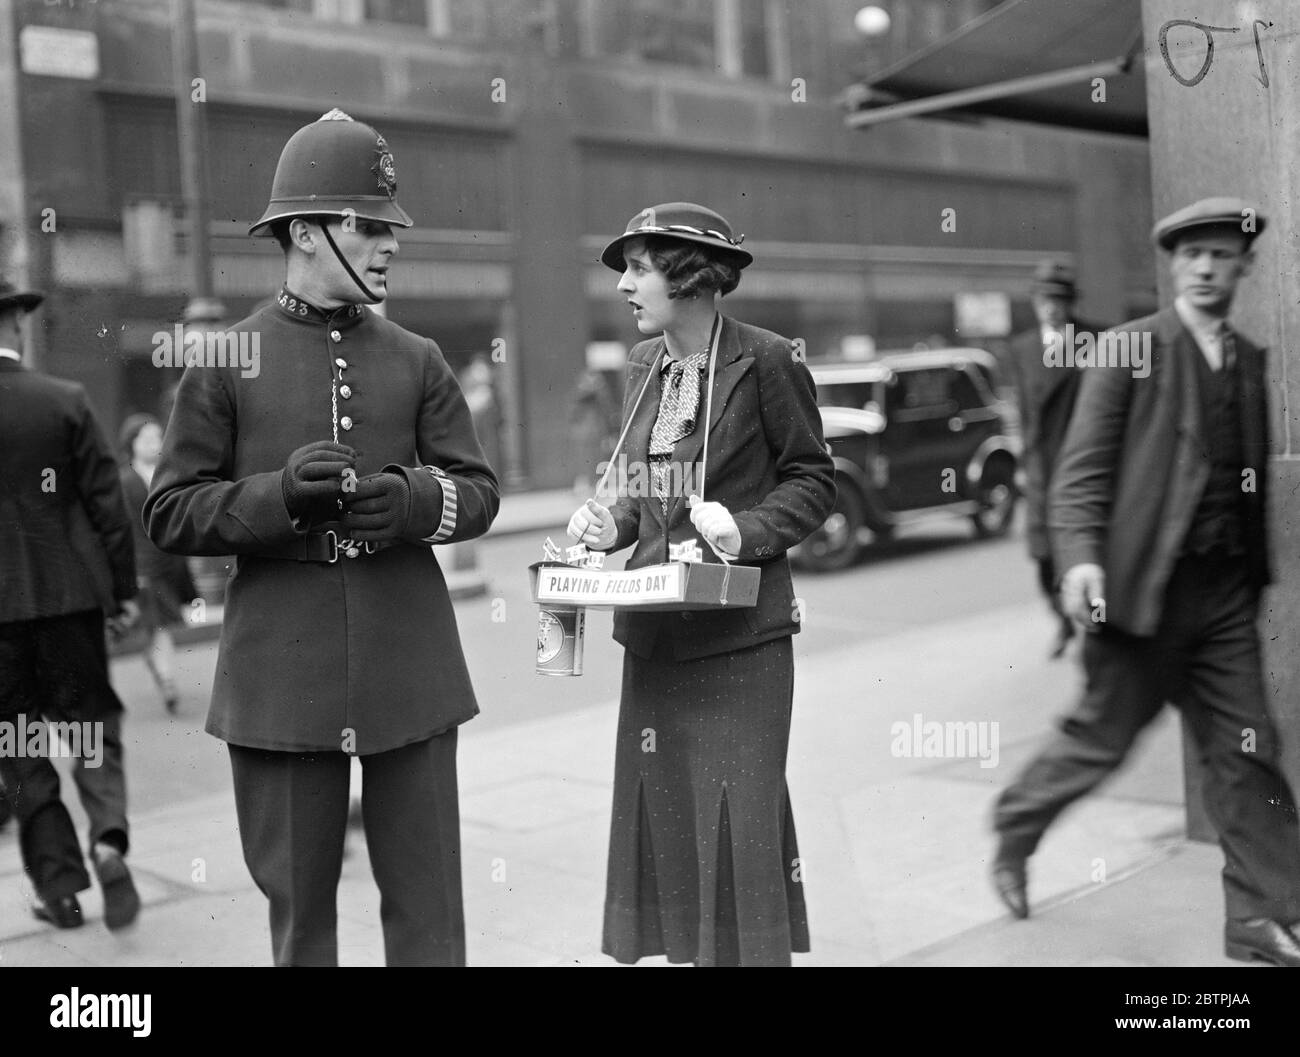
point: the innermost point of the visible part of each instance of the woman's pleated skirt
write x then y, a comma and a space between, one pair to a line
703, 862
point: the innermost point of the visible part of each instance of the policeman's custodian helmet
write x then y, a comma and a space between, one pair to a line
337, 167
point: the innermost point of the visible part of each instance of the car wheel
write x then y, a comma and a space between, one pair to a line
835, 545
997, 496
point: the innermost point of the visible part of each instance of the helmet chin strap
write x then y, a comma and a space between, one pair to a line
368, 296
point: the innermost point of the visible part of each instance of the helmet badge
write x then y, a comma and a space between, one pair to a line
384, 169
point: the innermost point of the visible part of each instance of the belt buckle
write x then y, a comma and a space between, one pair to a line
371, 547
331, 537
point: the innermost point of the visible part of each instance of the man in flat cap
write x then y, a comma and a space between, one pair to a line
1046, 388
330, 473
67, 565
1158, 517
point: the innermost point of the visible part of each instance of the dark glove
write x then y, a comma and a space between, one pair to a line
312, 480
379, 508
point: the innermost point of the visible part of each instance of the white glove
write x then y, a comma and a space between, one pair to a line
714, 522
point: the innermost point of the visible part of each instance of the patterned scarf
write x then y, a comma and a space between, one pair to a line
679, 404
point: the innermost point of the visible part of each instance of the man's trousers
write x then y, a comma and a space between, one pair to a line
293, 813
1204, 658
56, 668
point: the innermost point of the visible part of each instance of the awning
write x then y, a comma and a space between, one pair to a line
1026, 60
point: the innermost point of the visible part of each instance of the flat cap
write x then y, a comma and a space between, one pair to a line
1210, 212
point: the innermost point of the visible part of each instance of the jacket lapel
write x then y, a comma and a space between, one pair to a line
728, 371
1178, 379
1250, 398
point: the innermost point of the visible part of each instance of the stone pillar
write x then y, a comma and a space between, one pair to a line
1232, 134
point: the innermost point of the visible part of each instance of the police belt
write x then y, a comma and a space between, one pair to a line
327, 547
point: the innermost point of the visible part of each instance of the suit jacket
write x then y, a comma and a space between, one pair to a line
66, 541
312, 652
1047, 396
767, 463
1133, 469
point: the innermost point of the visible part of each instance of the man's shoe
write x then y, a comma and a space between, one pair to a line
1261, 939
121, 901
63, 912
1010, 882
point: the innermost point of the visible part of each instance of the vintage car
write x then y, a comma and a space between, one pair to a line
915, 436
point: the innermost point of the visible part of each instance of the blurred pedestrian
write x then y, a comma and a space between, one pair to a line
703, 861
476, 384
328, 473
166, 586
1046, 388
1159, 518
594, 427
67, 566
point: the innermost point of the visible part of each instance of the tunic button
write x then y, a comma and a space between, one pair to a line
335, 336
352, 552
345, 391
341, 364
345, 422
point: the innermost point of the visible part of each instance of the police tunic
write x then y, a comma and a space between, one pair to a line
360, 653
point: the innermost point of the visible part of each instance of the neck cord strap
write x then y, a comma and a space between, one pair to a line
371, 298
600, 485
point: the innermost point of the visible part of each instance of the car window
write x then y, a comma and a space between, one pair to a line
919, 394
965, 392
844, 394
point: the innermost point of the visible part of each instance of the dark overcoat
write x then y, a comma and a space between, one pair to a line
363, 653
767, 464
67, 540
1046, 397
1133, 469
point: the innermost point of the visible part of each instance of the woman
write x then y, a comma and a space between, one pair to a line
703, 864
165, 582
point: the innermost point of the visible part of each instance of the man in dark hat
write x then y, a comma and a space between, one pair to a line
1158, 517
330, 474
1047, 386
67, 563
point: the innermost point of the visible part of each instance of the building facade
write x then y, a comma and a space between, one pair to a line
526, 133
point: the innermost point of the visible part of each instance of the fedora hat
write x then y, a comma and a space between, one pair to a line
1209, 212
679, 220
1055, 278
12, 297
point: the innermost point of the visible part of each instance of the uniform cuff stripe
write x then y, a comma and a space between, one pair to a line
449, 507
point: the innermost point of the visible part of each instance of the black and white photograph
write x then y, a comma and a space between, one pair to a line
659, 483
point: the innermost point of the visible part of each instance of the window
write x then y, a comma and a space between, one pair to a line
916, 395
442, 18
845, 394
404, 12
668, 31
965, 392
755, 59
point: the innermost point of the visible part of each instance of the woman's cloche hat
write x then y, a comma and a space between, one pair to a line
679, 220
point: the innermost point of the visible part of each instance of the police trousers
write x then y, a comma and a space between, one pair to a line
293, 812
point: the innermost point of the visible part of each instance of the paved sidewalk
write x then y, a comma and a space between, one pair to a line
895, 849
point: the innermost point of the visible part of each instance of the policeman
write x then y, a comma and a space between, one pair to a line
328, 469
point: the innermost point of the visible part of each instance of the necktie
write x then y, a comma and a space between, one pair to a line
1227, 348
